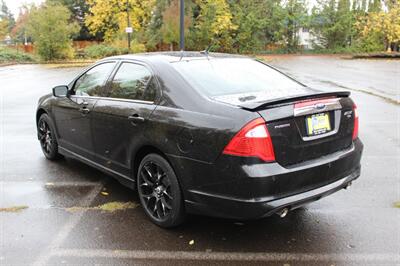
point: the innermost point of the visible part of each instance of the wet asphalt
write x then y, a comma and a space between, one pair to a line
61, 221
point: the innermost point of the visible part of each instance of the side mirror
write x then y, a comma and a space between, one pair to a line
60, 91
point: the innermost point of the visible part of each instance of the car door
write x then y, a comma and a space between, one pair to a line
121, 116
73, 113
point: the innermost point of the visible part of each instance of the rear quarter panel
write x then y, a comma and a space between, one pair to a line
195, 135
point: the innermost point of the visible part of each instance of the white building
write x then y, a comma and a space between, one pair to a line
307, 39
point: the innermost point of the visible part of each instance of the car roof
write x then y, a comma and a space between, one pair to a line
172, 57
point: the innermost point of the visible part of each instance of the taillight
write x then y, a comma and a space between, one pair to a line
355, 129
253, 140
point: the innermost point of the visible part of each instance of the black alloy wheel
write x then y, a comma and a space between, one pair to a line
159, 191
47, 138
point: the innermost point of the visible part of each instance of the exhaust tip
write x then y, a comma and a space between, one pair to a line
348, 185
282, 213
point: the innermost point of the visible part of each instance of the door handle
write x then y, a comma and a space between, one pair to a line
136, 118
84, 110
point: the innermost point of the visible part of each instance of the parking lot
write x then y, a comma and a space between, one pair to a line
55, 213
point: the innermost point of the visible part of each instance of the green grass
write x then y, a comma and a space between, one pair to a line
8, 55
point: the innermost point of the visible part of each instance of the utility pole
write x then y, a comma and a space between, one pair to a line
182, 26
129, 28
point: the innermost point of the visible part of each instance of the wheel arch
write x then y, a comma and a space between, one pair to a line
42, 111
141, 153
39, 113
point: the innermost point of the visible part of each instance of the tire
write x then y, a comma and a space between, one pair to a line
159, 192
47, 138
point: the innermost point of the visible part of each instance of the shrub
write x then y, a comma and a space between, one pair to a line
121, 43
137, 47
11, 55
101, 50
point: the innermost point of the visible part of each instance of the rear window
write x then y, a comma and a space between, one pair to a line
238, 80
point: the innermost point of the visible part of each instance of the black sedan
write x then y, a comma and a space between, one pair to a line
211, 134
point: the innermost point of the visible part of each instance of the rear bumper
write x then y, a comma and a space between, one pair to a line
244, 210
255, 190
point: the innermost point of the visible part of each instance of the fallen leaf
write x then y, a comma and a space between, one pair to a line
104, 193
107, 207
397, 204
13, 209
76, 209
116, 206
191, 242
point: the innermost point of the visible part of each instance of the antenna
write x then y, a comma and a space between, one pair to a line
182, 54
207, 50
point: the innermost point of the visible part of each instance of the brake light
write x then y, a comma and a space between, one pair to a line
312, 102
253, 140
355, 129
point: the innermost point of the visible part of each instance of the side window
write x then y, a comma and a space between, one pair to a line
151, 91
130, 82
92, 82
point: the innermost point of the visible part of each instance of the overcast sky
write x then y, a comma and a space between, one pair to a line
13, 5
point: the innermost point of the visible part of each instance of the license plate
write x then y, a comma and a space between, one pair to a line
318, 124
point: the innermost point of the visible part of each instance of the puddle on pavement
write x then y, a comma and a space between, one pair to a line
39, 195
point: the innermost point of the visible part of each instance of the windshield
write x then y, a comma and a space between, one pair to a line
238, 80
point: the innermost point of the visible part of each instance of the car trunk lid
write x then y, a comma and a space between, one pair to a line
295, 125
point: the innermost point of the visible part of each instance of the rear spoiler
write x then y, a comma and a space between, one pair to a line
253, 106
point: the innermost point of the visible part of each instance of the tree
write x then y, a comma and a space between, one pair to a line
19, 31
52, 31
212, 25
7, 20
295, 18
110, 16
332, 21
153, 31
170, 26
375, 6
3, 29
384, 23
259, 22
79, 9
